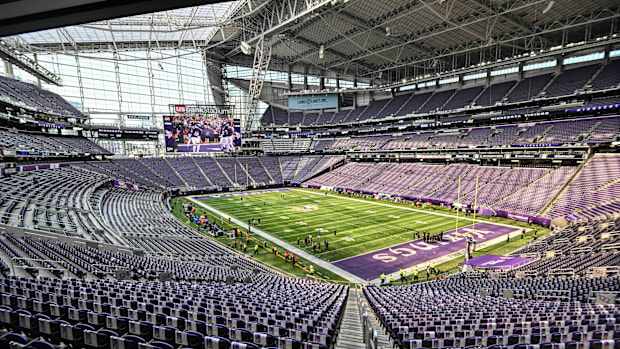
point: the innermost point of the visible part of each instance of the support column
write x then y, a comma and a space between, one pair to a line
80, 85
290, 79
262, 57
149, 67
118, 84
305, 77
8, 69
34, 56
216, 82
179, 76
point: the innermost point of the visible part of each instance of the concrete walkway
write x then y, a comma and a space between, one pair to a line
298, 252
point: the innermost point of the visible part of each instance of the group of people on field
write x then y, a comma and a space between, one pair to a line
430, 270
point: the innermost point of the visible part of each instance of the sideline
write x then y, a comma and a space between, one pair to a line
310, 258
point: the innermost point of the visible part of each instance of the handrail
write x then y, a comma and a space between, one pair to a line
565, 295
369, 333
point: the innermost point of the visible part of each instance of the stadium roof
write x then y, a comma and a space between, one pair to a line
385, 40
197, 23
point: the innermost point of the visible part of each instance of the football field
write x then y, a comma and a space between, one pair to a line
363, 228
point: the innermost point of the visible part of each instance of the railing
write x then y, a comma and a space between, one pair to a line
516, 293
562, 272
581, 250
369, 333
51, 261
553, 295
614, 246
604, 271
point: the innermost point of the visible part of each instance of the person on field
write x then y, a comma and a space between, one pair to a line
382, 278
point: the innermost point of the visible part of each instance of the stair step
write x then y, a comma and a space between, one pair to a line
350, 333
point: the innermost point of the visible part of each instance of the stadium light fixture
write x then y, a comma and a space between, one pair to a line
549, 6
321, 51
246, 48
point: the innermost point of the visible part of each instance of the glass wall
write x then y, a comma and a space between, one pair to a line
109, 86
173, 77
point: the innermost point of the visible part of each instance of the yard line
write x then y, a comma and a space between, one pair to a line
310, 228
302, 215
410, 209
286, 245
349, 234
319, 222
366, 242
322, 216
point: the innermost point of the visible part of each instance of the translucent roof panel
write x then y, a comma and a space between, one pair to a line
201, 21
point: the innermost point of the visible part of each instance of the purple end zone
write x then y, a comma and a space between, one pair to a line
240, 193
392, 259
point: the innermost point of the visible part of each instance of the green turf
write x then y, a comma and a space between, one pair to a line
362, 226
347, 217
264, 256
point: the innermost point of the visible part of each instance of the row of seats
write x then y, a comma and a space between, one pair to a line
101, 313
593, 77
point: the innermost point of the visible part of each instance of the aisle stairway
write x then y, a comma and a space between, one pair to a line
383, 340
350, 334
